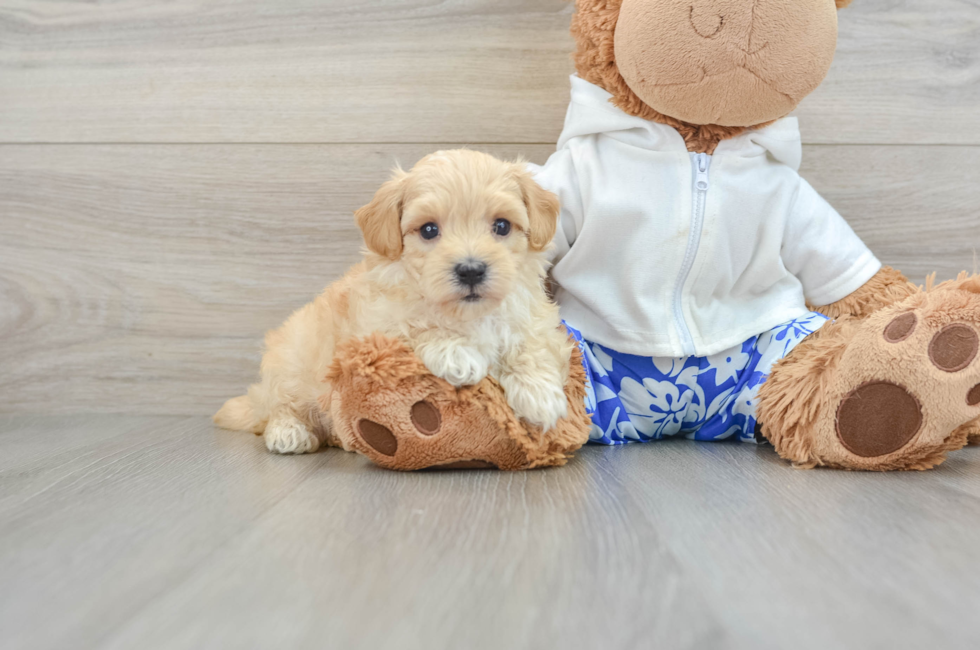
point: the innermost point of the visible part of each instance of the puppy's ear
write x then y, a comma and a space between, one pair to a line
843, 3
542, 209
381, 220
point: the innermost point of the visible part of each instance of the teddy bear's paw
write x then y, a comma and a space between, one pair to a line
384, 403
429, 431
907, 388
286, 434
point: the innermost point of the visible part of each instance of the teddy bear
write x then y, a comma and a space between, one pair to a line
712, 292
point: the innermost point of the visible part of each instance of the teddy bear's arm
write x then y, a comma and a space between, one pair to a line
888, 286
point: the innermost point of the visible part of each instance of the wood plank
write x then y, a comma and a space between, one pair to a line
903, 67
918, 208
417, 71
140, 279
834, 553
293, 71
166, 533
128, 271
131, 505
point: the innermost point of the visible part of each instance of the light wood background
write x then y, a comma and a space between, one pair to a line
175, 177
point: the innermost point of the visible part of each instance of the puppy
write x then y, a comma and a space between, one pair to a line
455, 265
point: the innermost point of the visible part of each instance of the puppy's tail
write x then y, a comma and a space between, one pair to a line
237, 414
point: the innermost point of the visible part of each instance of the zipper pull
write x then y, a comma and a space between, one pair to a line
701, 183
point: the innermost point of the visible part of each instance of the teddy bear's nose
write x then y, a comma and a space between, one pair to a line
705, 19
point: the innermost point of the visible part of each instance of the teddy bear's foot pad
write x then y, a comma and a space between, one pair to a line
426, 426
877, 419
378, 437
973, 397
426, 418
909, 383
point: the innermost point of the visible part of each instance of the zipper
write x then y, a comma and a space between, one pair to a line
701, 164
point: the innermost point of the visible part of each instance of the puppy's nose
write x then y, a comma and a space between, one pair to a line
471, 273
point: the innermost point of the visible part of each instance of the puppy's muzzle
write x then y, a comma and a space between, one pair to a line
471, 273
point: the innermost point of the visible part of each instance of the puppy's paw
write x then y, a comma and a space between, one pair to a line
537, 401
459, 365
287, 435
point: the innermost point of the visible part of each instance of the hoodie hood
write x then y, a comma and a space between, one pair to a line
591, 112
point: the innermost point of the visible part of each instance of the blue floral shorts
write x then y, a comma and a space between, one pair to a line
638, 399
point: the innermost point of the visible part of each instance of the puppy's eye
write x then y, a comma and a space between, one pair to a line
501, 227
429, 231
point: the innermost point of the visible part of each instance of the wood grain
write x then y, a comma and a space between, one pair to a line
343, 71
140, 279
145, 246
162, 532
918, 208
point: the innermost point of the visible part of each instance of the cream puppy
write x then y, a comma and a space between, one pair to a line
455, 265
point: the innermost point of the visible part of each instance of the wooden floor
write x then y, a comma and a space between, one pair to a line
163, 532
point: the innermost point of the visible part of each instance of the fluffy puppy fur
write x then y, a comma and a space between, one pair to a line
455, 266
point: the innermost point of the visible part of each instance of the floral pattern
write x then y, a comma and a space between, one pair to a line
637, 399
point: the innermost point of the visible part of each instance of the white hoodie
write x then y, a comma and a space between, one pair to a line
661, 252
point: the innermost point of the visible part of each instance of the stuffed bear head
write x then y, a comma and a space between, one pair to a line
709, 68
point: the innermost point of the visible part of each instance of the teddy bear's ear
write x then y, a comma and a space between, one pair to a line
843, 3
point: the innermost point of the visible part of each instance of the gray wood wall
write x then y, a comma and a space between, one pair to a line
175, 177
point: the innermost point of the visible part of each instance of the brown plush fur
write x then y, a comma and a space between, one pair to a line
379, 379
731, 62
973, 432
594, 30
799, 402
887, 287
795, 393
594, 27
